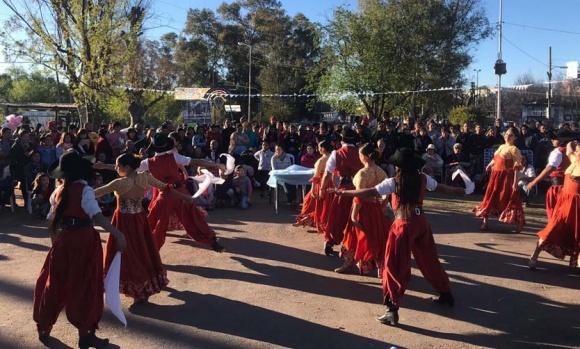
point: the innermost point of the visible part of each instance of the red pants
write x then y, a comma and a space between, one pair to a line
191, 217
552, 199
408, 236
72, 277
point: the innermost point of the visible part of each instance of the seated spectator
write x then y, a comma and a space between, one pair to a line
41, 191
34, 167
47, 149
65, 143
242, 187
107, 201
280, 161
309, 159
422, 141
83, 144
264, 157
433, 162
457, 161
526, 175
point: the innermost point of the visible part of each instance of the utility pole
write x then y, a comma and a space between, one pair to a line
549, 92
500, 66
476, 85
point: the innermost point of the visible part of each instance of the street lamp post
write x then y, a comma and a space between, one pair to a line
249, 79
476, 85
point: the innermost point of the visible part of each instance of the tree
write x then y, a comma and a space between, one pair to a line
91, 44
390, 47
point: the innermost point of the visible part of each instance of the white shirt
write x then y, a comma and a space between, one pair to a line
389, 185
331, 163
89, 203
180, 159
264, 159
555, 158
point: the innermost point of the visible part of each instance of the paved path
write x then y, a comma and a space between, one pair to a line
275, 289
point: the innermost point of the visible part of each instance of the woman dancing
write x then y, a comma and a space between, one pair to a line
313, 206
365, 234
142, 273
502, 197
561, 237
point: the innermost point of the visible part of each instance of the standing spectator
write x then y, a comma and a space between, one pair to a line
238, 142
226, 135
526, 140
292, 143
199, 140
6, 184
83, 144
6, 142
264, 157
65, 144
543, 148
142, 146
34, 167
252, 137
53, 131
444, 144
116, 139
214, 135
463, 138
104, 147
422, 141
19, 159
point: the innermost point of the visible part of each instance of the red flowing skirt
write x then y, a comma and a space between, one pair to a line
71, 277
338, 216
142, 273
306, 216
500, 199
552, 198
191, 217
561, 237
322, 208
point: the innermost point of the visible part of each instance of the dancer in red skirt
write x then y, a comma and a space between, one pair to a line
409, 233
365, 235
142, 273
72, 274
313, 204
346, 162
558, 162
502, 197
561, 237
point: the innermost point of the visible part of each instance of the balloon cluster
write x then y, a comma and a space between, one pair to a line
13, 121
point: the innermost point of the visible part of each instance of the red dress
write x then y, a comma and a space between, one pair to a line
164, 168
307, 214
322, 208
142, 273
347, 165
367, 246
500, 199
561, 237
72, 274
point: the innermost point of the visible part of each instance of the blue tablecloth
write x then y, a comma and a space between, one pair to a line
293, 175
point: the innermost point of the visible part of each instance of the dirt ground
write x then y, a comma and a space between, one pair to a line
274, 288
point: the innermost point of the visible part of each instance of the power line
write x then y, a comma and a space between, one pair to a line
524, 52
541, 28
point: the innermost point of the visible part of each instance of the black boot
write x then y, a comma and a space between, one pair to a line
328, 249
216, 246
445, 298
390, 317
92, 341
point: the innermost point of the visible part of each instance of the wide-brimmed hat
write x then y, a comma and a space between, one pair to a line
71, 164
349, 136
407, 158
162, 143
565, 135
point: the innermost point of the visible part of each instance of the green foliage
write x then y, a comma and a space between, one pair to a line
399, 45
167, 108
461, 114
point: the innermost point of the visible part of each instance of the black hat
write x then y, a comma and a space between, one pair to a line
349, 136
565, 135
71, 165
162, 143
407, 158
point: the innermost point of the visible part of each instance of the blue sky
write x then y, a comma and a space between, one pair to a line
525, 48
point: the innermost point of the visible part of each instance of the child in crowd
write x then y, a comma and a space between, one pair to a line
34, 167
41, 191
47, 150
242, 187
107, 201
526, 175
264, 157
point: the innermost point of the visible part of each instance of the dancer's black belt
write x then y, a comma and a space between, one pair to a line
557, 180
75, 223
346, 180
417, 211
177, 184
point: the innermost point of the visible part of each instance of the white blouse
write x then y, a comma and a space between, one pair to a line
89, 203
389, 185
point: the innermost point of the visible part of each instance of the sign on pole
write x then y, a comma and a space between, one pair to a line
190, 93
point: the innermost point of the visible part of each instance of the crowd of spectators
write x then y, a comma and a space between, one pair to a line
257, 148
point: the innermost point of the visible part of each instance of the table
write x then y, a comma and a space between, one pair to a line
292, 175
